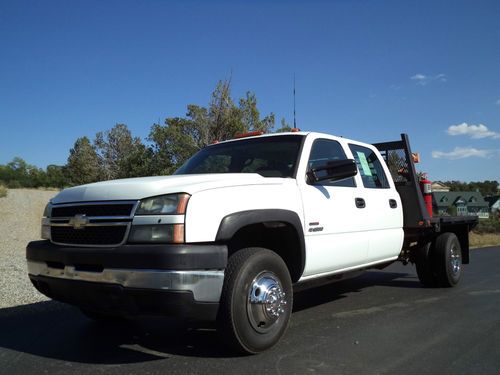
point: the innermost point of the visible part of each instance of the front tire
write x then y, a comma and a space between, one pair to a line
256, 301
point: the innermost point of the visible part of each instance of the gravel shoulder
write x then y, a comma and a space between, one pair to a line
21, 211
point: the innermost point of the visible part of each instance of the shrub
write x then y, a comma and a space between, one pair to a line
3, 191
14, 184
484, 239
491, 225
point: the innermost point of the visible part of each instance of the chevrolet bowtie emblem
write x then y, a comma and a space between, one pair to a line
78, 221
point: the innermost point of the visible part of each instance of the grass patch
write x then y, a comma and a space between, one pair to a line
3, 191
484, 239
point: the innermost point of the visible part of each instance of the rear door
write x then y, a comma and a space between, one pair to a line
382, 211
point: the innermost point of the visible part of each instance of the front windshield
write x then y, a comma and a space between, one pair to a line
275, 156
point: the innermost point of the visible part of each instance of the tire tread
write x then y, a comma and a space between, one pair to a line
225, 315
424, 266
228, 318
442, 244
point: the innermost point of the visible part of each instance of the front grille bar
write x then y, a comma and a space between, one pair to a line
121, 208
93, 221
103, 224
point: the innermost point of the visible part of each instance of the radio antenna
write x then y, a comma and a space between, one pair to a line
294, 119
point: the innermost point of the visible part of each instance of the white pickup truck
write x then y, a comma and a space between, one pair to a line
237, 227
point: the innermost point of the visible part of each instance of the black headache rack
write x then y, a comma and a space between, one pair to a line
418, 224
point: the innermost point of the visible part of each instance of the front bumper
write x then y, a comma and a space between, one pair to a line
183, 280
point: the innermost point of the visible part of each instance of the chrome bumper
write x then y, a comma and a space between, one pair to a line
206, 286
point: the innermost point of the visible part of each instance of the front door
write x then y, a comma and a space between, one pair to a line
335, 227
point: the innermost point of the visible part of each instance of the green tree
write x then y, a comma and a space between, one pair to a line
285, 126
5, 174
83, 163
114, 148
18, 174
56, 176
179, 138
18, 169
457, 186
251, 116
18, 165
452, 210
35, 177
174, 143
138, 163
484, 187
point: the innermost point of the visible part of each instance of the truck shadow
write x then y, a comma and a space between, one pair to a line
54, 330
334, 290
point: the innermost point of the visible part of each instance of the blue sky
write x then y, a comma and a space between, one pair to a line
367, 70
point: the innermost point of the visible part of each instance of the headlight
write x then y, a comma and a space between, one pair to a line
170, 204
160, 219
45, 232
47, 210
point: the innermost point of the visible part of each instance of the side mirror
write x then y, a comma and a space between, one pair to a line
334, 170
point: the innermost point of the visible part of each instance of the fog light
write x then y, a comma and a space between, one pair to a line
170, 233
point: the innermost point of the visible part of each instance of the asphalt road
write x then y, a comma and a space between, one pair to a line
381, 322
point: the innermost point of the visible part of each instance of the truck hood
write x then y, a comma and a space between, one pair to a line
143, 187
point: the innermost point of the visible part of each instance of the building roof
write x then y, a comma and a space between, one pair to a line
439, 186
468, 198
492, 199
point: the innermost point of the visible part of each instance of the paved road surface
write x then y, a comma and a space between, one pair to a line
381, 322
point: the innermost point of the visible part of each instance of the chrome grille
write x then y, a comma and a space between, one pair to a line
98, 224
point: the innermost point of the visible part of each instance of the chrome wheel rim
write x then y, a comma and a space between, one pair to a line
455, 261
266, 302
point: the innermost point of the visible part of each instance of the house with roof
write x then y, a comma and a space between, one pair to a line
439, 186
460, 203
494, 202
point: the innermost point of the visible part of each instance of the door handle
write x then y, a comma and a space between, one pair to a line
393, 203
360, 203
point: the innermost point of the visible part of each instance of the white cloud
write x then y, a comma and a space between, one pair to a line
473, 131
498, 102
422, 79
441, 77
419, 77
463, 152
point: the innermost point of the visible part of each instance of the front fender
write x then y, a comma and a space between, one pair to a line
231, 223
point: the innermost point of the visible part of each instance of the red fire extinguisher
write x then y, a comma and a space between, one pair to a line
425, 186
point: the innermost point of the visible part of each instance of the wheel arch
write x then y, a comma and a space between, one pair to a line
276, 229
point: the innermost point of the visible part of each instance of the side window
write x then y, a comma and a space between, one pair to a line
370, 168
323, 151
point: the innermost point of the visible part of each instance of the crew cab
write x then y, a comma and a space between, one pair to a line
242, 223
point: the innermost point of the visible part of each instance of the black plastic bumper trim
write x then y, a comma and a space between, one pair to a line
143, 256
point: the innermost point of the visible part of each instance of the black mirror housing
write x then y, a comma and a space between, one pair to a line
334, 170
